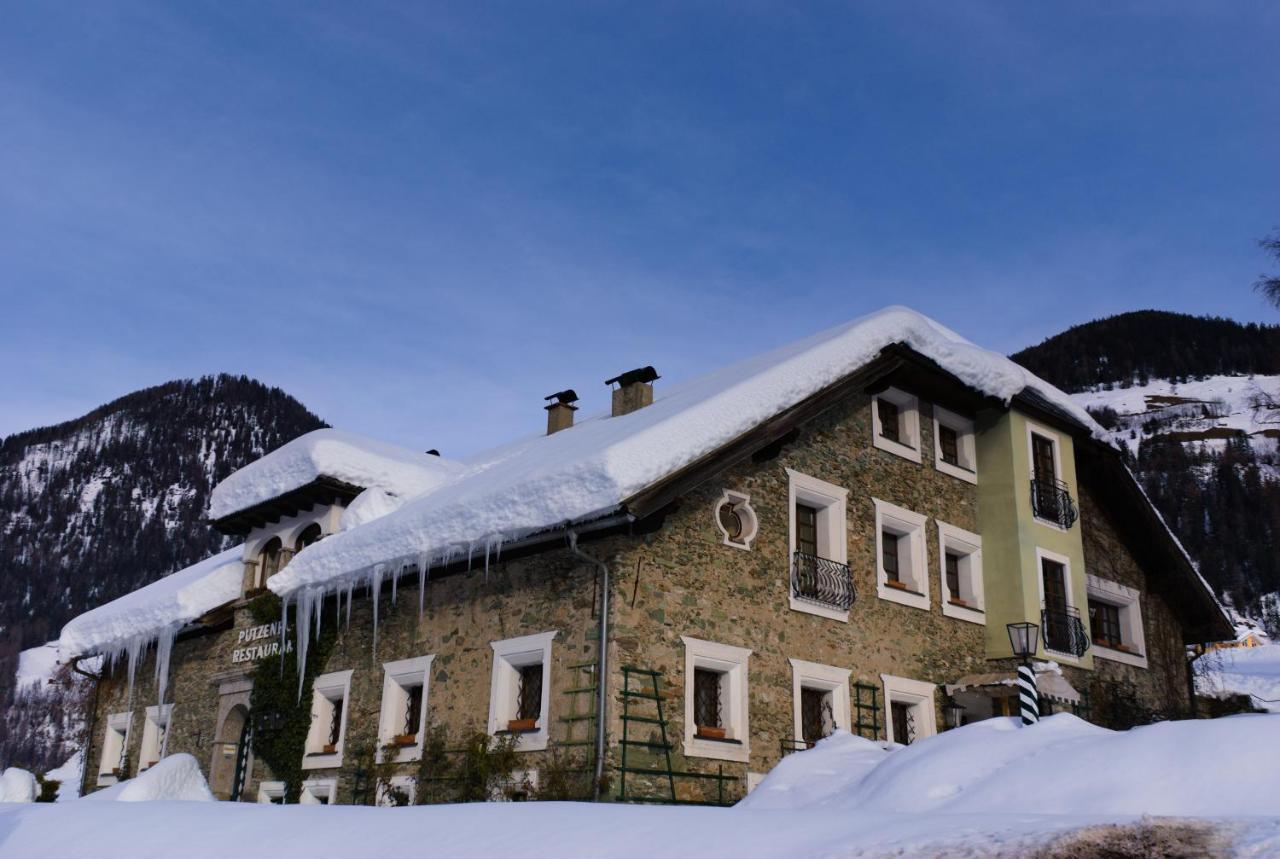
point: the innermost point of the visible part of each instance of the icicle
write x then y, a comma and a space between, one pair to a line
351, 590
423, 565
471, 549
395, 577
303, 615
319, 610
284, 631
136, 647
164, 649
375, 589
498, 545
487, 545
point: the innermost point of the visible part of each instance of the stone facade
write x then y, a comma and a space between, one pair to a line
681, 580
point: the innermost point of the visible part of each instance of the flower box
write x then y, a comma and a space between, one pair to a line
402, 740
710, 733
959, 602
517, 726
329, 749
902, 586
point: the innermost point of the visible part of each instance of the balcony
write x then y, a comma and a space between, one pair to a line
1051, 502
821, 582
1063, 631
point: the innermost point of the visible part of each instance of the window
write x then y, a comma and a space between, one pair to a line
961, 553
155, 730
1051, 502
1115, 622
403, 718
1061, 628
271, 792
821, 583
895, 423
821, 696
901, 573
735, 519
115, 748
319, 791
310, 534
715, 700
911, 710
954, 447
326, 737
519, 695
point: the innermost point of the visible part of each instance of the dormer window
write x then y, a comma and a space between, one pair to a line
895, 423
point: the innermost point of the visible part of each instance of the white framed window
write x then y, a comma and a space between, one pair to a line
715, 700
1115, 622
955, 450
909, 709
820, 700
1044, 451
520, 689
895, 423
115, 748
902, 574
818, 529
735, 519
402, 721
960, 573
319, 791
155, 735
330, 695
1057, 601
271, 793
397, 791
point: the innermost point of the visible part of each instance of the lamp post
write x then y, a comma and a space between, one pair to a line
1023, 638
953, 713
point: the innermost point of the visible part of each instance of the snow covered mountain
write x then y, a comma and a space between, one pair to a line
101, 505
1195, 403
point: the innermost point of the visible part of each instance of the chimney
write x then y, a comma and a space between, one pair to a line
634, 391
560, 413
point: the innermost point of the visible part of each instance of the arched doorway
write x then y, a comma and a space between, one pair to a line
228, 775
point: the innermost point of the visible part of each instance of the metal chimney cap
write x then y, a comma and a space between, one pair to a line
631, 377
565, 397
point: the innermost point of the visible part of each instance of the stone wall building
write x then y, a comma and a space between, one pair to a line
833, 537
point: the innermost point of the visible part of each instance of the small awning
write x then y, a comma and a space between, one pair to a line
1001, 684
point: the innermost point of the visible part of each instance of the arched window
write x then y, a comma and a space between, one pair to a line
269, 560
310, 534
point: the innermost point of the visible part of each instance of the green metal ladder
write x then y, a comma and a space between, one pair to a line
662, 747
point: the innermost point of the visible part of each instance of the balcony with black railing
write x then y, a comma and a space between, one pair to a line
820, 581
1064, 632
1051, 502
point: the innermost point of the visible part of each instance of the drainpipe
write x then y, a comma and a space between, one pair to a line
601, 671
92, 722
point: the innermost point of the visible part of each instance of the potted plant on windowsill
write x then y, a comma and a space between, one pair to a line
402, 740
710, 732
894, 583
522, 726
329, 749
963, 603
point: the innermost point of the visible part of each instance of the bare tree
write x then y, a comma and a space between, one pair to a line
1269, 286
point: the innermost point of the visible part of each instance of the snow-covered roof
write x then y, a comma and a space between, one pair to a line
587, 471
138, 617
335, 454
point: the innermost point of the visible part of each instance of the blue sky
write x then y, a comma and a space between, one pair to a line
420, 220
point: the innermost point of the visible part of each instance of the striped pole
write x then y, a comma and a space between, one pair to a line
1028, 697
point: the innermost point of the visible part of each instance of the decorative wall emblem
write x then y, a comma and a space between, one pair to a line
735, 519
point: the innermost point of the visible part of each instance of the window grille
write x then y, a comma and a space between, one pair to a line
904, 723
866, 709
335, 723
529, 695
412, 709
706, 698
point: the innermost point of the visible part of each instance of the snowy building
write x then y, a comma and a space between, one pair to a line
831, 535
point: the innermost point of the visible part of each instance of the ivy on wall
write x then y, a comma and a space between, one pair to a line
282, 717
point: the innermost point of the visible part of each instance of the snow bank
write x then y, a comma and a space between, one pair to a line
37, 665
129, 623
331, 453
177, 777
586, 471
68, 776
18, 785
1062, 765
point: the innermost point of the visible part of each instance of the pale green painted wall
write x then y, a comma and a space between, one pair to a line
1011, 535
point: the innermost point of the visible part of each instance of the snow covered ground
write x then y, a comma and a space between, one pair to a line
985, 790
1247, 670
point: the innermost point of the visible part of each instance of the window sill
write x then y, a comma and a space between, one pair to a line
897, 448
706, 739
724, 750
971, 614
517, 732
957, 471
1049, 523
1137, 660
902, 596
321, 760
819, 610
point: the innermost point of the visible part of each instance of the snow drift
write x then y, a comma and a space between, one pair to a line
177, 777
1063, 765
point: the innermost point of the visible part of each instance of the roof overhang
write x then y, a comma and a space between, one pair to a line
321, 491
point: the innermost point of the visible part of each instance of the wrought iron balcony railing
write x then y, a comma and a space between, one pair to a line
1051, 501
822, 582
1063, 630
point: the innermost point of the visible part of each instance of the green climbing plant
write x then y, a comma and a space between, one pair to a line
282, 741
